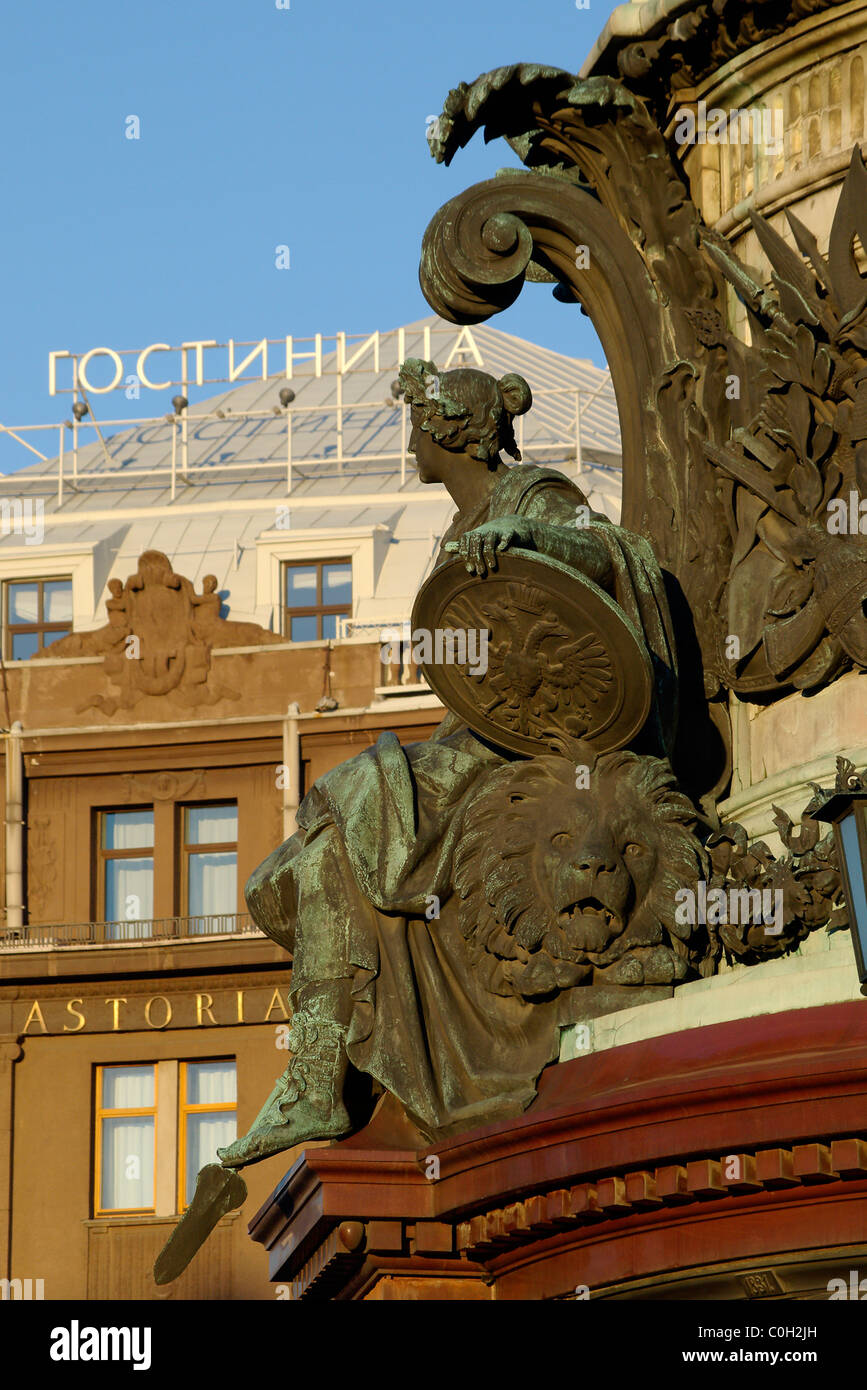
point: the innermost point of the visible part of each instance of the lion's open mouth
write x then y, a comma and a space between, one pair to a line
588, 907
589, 924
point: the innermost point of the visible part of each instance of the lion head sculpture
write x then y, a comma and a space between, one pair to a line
567, 876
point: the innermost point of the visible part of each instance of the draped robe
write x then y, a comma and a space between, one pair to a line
348, 894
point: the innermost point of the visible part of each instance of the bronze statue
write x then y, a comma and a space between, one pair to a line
379, 983
744, 460
450, 905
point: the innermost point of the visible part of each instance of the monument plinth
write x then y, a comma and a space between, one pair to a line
674, 1168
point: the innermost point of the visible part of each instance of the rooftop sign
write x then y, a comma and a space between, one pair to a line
160, 366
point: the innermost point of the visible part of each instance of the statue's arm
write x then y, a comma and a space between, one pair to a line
581, 547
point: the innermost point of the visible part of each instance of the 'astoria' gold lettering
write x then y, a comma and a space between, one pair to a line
74, 1013
204, 1008
184, 1010
35, 1013
117, 1003
158, 998
276, 998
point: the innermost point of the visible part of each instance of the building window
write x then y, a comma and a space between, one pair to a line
316, 593
148, 1166
210, 863
36, 612
208, 1119
125, 1139
125, 872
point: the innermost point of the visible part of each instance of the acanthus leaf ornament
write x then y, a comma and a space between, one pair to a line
733, 491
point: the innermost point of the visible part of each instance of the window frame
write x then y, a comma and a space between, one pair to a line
103, 855
317, 610
11, 630
185, 850
123, 1112
367, 546
186, 1108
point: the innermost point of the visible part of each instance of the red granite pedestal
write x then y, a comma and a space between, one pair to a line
726, 1162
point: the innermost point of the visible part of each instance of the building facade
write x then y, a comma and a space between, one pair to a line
194, 613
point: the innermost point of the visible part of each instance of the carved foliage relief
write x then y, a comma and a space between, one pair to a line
744, 464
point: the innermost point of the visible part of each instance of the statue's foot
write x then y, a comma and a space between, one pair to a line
307, 1101
305, 1121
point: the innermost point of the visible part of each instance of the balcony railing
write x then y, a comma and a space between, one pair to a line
397, 634
65, 934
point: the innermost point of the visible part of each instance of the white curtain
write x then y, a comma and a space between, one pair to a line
57, 602
211, 1083
208, 1083
127, 1146
213, 886
23, 603
206, 1134
127, 1088
129, 897
128, 830
129, 883
212, 825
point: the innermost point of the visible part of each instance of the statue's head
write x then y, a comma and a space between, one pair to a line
154, 568
465, 411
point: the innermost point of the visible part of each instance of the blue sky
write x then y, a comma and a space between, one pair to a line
259, 127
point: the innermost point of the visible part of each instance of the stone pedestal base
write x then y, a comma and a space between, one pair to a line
727, 1162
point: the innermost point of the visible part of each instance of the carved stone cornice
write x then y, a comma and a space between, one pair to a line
685, 43
621, 1194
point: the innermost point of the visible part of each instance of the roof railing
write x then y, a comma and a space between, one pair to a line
65, 473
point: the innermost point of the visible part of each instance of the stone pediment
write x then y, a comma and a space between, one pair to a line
159, 637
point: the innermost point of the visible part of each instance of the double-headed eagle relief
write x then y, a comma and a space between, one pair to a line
553, 852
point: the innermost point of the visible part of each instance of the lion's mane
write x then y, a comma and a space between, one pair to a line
509, 917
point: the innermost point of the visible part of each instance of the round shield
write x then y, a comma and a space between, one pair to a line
533, 651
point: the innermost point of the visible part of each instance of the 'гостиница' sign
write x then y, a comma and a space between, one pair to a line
131, 367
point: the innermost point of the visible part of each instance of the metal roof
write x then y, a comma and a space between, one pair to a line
205, 489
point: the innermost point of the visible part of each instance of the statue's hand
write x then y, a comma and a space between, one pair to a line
478, 548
